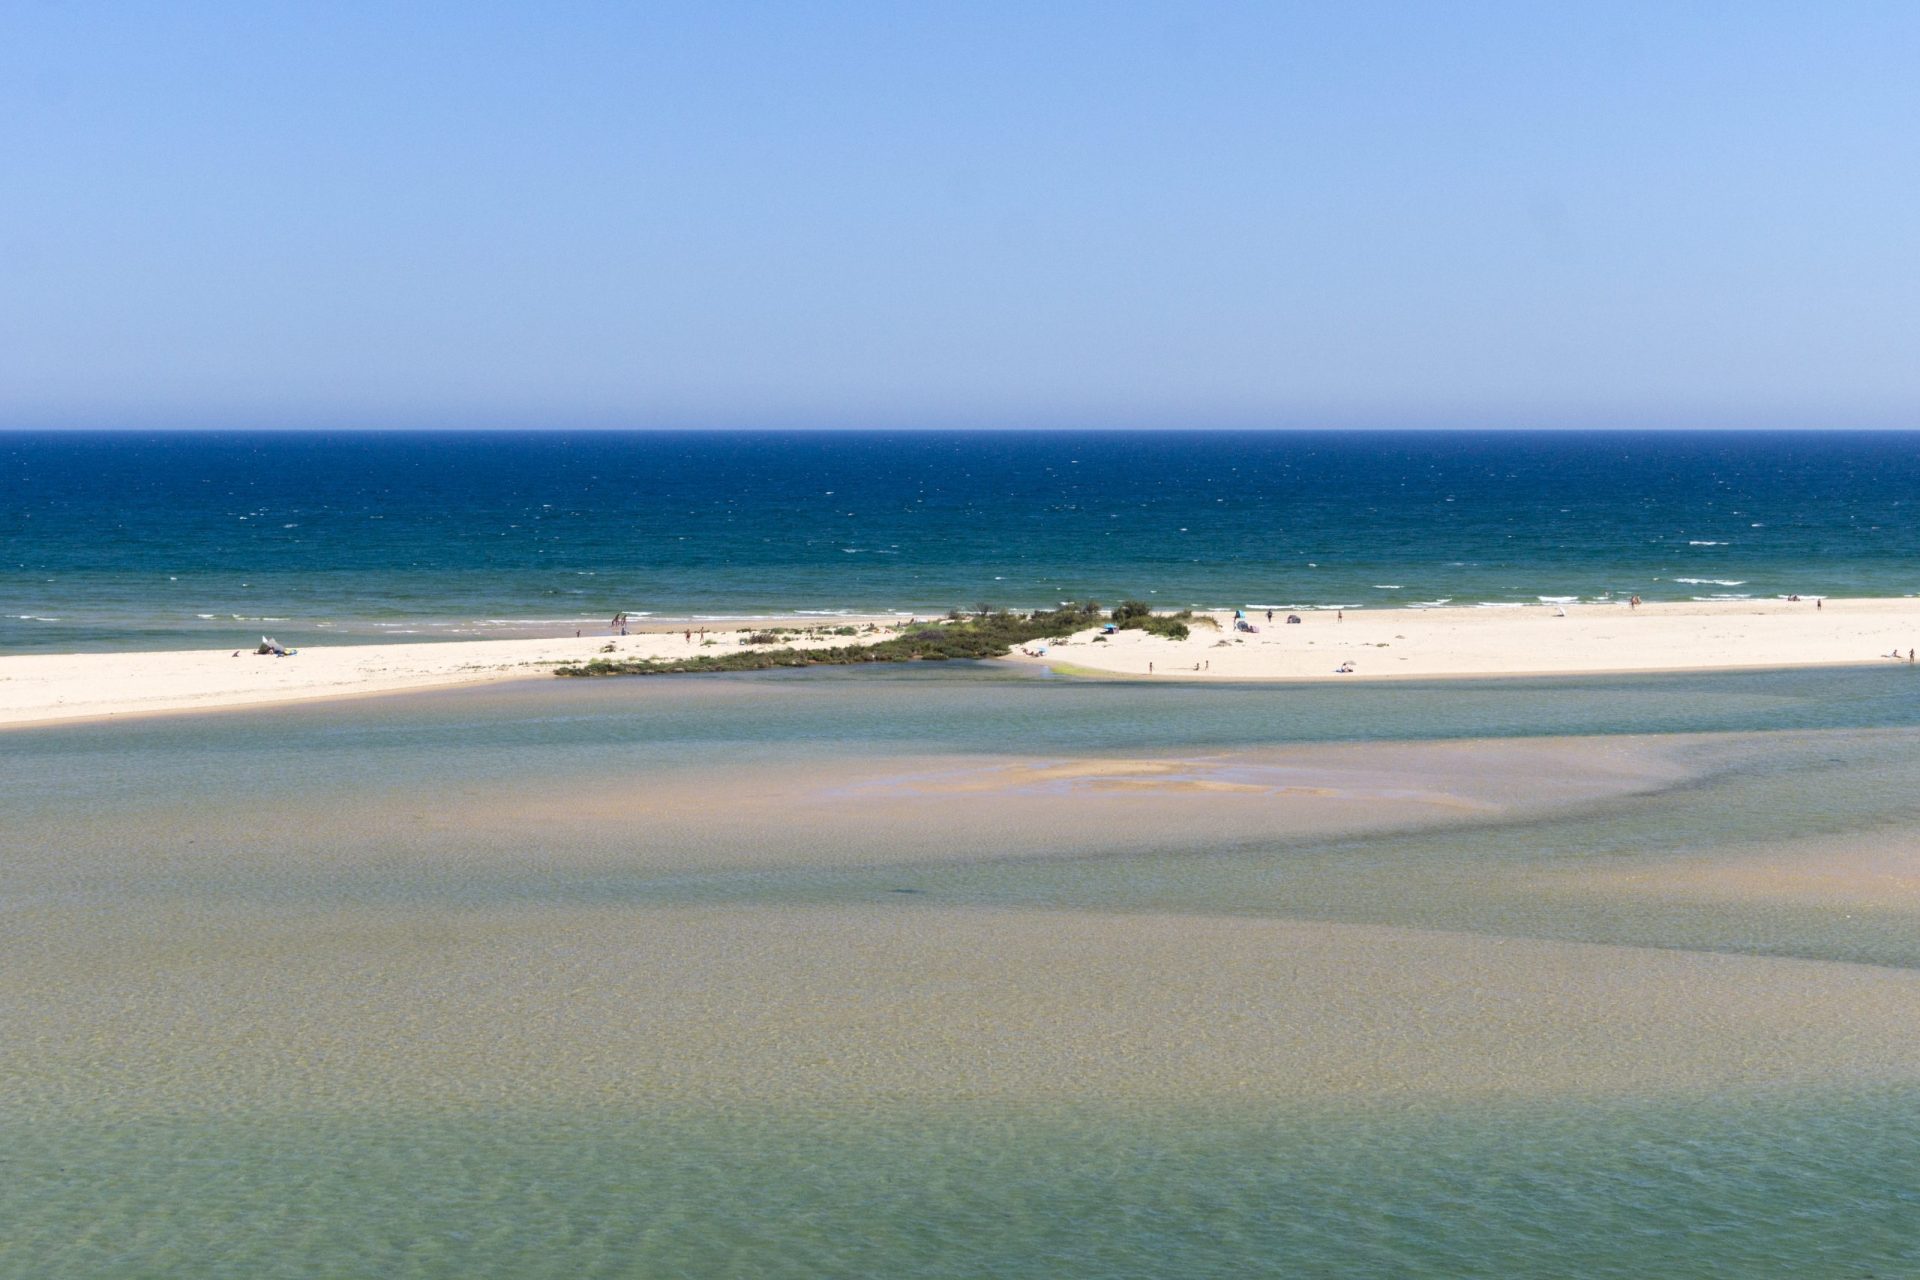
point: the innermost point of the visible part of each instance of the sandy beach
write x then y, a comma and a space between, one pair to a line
1376, 644
1509, 641
40, 688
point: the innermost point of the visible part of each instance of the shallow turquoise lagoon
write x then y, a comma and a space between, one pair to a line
257, 819
1710, 1188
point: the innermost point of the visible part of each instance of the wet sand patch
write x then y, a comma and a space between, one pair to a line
1879, 872
717, 815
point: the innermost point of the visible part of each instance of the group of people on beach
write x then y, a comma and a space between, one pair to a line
619, 624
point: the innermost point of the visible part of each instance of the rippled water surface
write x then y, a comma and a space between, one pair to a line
184, 540
956, 972
1787, 1187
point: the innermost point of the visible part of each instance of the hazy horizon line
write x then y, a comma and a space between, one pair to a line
948, 429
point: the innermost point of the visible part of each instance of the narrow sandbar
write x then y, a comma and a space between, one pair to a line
1374, 643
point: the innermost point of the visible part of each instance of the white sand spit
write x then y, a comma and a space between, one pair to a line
1376, 643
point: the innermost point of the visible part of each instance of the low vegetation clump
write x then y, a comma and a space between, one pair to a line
1137, 615
983, 633
980, 635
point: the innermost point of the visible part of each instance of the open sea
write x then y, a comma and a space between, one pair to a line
179, 540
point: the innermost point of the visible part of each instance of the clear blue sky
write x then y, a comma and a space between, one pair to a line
578, 214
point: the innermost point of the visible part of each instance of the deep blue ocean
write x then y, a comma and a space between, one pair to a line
118, 539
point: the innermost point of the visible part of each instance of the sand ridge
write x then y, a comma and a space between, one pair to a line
191, 1007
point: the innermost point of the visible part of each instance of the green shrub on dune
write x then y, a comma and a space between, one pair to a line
1137, 615
986, 633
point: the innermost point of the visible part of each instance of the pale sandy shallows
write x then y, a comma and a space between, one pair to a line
1377, 644
170, 1009
266, 958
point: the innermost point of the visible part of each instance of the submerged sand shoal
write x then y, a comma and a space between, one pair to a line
163, 1008
315, 941
1377, 643
714, 816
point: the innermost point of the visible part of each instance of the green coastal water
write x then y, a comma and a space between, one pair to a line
1818, 1187
776, 976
